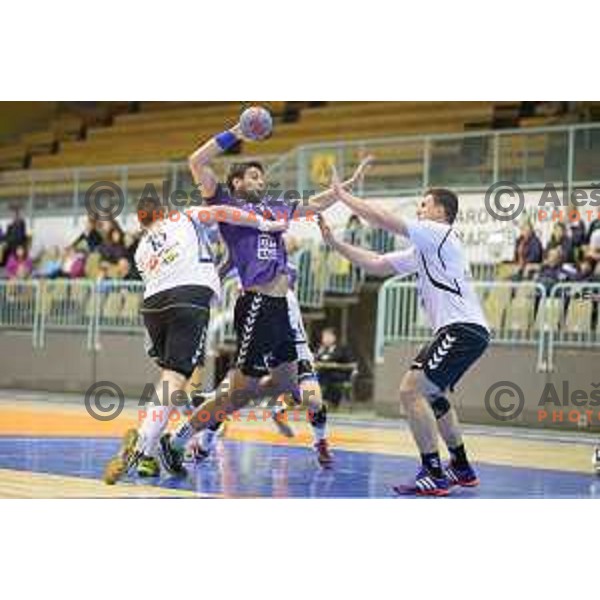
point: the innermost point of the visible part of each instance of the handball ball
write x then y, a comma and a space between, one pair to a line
256, 123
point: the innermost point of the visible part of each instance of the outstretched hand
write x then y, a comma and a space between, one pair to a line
336, 184
325, 231
362, 168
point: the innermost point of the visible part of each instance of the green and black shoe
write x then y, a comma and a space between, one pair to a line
171, 457
148, 466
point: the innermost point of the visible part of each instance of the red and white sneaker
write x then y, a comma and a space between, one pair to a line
463, 476
324, 455
195, 453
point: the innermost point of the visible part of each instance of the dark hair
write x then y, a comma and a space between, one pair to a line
447, 199
147, 208
238, 170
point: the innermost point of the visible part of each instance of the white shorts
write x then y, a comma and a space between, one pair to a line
302, 348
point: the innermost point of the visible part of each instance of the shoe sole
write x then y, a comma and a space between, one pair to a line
120, 464
465, 484
411, 491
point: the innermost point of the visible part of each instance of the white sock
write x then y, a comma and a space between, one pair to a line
155, 422
319, 433
209, 439
182, 435
279, 409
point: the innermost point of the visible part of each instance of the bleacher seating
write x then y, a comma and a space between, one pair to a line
151, 132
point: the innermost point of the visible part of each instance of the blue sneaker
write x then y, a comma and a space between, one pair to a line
425, 485
462, 476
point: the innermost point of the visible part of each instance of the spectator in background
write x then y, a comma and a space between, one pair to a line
50, 264
585, 270
90, 238
132, 241
560, 239
335, 366
354, 231
73, 263
593, 248
578, 237
122, 270
528, 250
2, 246
113, 249
107, 227
19, 265
16, 235
594, 225
553, 270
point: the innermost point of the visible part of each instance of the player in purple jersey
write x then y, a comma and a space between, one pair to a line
203, 445
265, 336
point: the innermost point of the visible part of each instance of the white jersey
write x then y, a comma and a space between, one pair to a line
176, 252
444, 278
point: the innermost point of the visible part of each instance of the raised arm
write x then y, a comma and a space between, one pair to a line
371, 262
199, 161
375, 216
236, 216
323, 200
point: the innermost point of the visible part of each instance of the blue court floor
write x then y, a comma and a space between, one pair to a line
258, 469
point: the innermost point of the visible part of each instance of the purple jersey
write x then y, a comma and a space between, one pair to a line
258, 256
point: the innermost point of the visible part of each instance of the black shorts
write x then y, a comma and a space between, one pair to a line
306, 371
452, 352
177, 324
265, 338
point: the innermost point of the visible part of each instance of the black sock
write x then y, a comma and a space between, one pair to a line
215, 426
459, 456
433, 464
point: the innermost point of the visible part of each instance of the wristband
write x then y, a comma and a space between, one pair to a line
226, 140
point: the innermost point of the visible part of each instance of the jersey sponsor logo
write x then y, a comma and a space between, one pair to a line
266, 247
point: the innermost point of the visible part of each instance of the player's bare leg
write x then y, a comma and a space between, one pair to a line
312, 399
235, 392
194, 385
141, 446
419, 414
459, 470
431, 479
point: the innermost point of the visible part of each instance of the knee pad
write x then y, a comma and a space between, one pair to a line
439, 405
318, 418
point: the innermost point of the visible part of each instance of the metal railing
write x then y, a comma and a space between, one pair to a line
519, 313
516, 311
467, 161
312, 277
573, 317
530, 157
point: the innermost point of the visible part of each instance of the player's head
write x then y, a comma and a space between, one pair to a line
438, 204
247, 181
149, 209
328, 336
